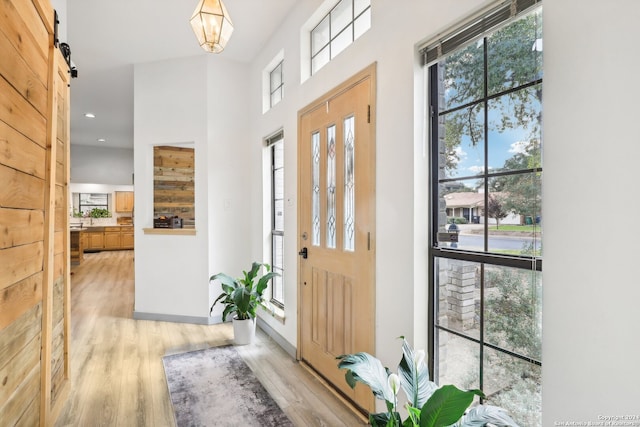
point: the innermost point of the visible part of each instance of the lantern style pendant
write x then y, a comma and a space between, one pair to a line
212, 25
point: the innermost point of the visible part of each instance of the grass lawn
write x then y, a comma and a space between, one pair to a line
513, 252
525, 228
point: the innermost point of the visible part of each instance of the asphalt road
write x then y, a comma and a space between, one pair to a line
474, 241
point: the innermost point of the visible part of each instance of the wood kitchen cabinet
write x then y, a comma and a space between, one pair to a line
124, 201
112, 238
109, 238
126, 237
95, 240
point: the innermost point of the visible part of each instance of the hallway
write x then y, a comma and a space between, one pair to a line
116, 367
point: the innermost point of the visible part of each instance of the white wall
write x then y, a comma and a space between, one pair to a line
591, 344
170, 107
399, 139
75, 188
101, 165
229, 168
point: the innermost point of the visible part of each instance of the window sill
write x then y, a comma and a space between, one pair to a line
171, 231
273, 311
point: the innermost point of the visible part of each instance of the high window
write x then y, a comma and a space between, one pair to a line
276, 85
276, 149
344, 23
485, 257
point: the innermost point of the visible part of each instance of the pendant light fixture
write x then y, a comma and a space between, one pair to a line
212, 25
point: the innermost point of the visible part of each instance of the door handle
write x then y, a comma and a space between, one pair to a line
304, 253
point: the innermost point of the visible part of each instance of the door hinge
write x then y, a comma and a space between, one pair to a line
369, 241
368, 113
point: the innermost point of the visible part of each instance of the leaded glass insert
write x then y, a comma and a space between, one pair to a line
315, 190
331, 187
349, 184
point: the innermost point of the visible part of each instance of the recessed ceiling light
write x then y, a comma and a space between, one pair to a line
90, 115
101, 140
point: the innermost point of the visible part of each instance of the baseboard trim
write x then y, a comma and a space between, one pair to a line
279, 339
286, 345
176, 318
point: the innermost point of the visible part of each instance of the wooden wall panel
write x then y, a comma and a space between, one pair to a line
21, 261
20, 359
20, 190
21, 115
20, 153
32, 48
37, 31
58, 340
58, 266
25, 396
174, 183
19, 227
56, 367
14, 371
61, 209
19, 298
19, 333
34, 242
22, 77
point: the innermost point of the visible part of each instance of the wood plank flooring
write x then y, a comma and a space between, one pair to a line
117, 378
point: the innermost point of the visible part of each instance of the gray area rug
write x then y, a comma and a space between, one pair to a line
214, 387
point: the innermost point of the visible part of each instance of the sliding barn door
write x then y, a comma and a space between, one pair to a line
34, 236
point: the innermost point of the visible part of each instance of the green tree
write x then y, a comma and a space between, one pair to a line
524, 190
495, 209
514, 58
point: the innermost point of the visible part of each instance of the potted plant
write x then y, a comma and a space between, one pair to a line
429, 405
241, 297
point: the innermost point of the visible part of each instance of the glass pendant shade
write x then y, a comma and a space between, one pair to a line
212, 25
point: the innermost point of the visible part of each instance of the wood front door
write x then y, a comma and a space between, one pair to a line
336, 217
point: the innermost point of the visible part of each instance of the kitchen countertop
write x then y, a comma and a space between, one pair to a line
97, 227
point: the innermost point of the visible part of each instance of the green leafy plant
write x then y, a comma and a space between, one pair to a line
99, 213
242, 296
429, 405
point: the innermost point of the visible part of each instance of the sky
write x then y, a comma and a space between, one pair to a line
502, 145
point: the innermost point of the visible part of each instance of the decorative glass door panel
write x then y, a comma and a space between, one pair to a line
336, 220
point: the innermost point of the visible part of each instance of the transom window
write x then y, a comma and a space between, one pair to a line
485, 254
276, 85
346, 21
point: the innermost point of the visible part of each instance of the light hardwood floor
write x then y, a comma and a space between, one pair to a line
116, 361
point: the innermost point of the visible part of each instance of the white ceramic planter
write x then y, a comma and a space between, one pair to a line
244, 331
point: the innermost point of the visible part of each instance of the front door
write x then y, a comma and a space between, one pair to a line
336, 217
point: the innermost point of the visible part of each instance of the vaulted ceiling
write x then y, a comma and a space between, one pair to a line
108, 37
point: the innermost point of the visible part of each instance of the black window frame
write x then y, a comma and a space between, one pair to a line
431, 56
332, 37
280, 87
274, 142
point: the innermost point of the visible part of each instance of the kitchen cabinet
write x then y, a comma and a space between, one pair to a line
112, 238
95, 239
124, 201
126, 241
76, 246
109, 238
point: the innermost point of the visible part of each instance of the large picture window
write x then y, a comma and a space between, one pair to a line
485, 94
